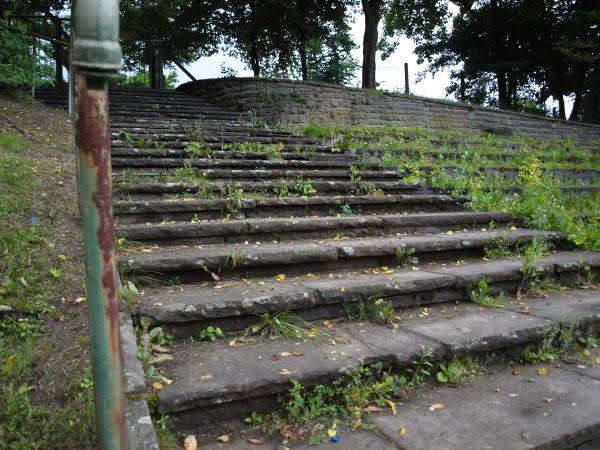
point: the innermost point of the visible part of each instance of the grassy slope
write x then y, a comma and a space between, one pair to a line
45, 387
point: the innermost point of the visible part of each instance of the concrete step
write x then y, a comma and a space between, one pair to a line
234, 305
141, 212
258, 174
299, 152
302, 228
251, 260
149, 190
242, 164
218, 380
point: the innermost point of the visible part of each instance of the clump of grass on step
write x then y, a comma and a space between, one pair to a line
459, 369
286, 324
535, 278
481, 294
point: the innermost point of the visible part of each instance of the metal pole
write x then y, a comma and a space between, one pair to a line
96, 57
406, 89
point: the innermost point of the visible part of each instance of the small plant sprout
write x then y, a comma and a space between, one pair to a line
534, 275
481, 294
234, 198
197, 150
405, 256
303, 187
458, 370
209, 334
380, 311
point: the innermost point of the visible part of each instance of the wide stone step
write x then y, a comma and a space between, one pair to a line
219, 380
300, 153
258, 174
266, 188
141, 212
251, 260
287, 229
234, 305
247, 164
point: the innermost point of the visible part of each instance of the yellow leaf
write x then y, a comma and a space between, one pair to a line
285, 373
157, 386
392, 405
223, 438
331, 432
449, 232
357, 424
62, 257
402, 431
542, 371
280, 277
9, 364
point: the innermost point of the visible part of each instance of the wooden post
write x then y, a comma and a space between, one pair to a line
406, 88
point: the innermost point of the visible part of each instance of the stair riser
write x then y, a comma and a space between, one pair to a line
311, 265
185, 238
287, 211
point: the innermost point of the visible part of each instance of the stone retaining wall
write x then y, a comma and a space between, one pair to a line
302, 102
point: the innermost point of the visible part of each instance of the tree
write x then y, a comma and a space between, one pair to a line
526, 50
373, 11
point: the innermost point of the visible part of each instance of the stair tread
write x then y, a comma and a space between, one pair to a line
207, 374
235, 298
215, 256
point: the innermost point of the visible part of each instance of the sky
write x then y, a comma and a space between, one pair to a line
389, 73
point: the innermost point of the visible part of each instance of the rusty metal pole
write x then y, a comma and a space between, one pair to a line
97, 57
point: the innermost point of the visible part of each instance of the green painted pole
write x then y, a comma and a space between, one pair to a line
97, 57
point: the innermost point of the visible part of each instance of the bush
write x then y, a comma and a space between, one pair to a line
19, 69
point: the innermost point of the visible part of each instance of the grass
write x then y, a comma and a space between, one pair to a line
30, 271
481, 294
479, 165
284, 324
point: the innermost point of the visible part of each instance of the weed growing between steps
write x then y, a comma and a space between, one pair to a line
312, 412
37, 410
481, 294
424, 155
285, 324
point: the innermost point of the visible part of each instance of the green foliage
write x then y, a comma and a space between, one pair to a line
140, 78
198, 150
481, 294
418, 371
235, 195
303, 187
19, 69
405, 256
555, 344
345, 209
209, 334
380, 311
534, 276
499, 248
458, 369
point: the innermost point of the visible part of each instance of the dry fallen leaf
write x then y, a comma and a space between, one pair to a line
285, 373
255, 441
357, 424
206, 376
402, 431
157, 385
371, 409
275, 357
280, 277
542, 371
436, 406
223, 438
190, 443
297, 353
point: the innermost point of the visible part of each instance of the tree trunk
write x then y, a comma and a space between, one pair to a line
303, 61
561, 107
579, 88
254, 59
503, 100
372, 12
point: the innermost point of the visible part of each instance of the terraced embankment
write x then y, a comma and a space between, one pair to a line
220, 222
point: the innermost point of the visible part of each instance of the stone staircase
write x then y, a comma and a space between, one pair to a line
271, 223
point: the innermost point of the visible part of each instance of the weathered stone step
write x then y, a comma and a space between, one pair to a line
529, 411
240, 260
288, 229
179, 129
234, 305
218, 380
257, 174
301, 153
215, 140
266, 188
231, 163
139, 212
